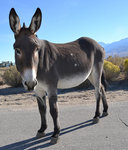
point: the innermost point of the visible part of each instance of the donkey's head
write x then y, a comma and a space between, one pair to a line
26, 47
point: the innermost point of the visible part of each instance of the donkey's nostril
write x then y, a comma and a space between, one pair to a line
25, 83
30, 84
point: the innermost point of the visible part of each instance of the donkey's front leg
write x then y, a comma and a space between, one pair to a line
54, 113
42, 109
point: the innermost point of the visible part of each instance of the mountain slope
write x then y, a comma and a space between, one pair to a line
119, 48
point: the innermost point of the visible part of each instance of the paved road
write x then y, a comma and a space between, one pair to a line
18, 128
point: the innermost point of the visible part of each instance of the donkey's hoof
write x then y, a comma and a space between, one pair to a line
96, 120
40, 135
54, 140
105, 114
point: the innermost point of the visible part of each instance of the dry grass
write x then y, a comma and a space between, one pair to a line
12, 77
2, 70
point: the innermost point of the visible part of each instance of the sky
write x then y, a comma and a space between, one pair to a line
66, 20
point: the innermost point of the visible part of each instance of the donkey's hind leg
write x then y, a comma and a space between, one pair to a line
95, 79
105, 105
53, 104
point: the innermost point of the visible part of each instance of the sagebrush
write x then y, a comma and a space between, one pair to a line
12, 77
116, 60
111, 71
126, 67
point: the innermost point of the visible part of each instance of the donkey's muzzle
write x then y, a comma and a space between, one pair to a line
30, 85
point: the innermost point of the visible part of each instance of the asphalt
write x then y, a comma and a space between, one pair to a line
18, 129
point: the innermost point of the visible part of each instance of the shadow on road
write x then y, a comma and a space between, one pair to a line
34, 143
12, 90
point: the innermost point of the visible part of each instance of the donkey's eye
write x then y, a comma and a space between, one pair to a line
37, 49
18, 52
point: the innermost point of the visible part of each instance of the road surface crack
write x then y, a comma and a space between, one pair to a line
122, 121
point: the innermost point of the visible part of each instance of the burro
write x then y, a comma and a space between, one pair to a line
46, 66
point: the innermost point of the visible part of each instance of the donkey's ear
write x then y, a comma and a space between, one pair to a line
36, 21
14, 21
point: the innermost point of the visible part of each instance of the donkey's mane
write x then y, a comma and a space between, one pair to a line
48, 56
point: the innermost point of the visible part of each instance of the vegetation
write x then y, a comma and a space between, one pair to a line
12, 77
111, 71
126, 67
2, 70
116, 60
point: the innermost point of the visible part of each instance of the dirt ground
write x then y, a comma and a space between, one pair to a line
19, 98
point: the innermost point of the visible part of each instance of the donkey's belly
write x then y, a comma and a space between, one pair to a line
72, 81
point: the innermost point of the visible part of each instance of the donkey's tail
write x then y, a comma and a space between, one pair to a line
103, 81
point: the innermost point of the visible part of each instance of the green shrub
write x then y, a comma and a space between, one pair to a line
12, 77
116, 60
126, 66
111, 71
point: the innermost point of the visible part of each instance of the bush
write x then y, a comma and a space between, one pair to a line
126, 66
12, 77
1, 81
116, 60
111, 71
